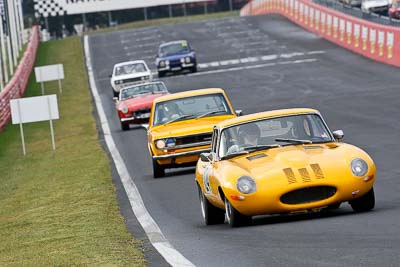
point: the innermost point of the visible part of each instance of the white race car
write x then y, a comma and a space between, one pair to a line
375, 6
129, 73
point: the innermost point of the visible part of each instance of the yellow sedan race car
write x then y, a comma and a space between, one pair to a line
276, 162
181, 124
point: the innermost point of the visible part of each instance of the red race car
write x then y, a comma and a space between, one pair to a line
134, 102
394, 10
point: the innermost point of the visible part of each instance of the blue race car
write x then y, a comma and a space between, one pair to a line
175, 56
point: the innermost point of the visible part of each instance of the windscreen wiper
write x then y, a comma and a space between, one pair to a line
235, 154
260, 147
293, 141
209, 113
179, 118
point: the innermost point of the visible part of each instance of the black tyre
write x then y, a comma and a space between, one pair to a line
211, 215
124, 126
194, 69
364, 203
115, 94
161, 74
334, 206
235, 218
158, 170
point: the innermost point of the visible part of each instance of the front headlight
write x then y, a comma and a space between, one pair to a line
246, 185
182, 60
145, 78
118, 82
187, 59
160, 144
359, 167
124, 109
162, 64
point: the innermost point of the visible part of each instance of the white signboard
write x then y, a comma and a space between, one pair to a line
34, 109
54, 8
49, 73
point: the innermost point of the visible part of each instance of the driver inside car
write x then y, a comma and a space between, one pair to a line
170, 111
248, 135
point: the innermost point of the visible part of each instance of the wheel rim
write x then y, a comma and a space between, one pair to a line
228, 211
202, 204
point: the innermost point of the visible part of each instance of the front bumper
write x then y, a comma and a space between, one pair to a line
177, 67
136, 118
269, 200
182, 154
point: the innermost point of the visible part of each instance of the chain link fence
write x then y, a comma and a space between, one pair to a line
356, 12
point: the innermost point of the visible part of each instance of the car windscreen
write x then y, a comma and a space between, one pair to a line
190, 107
273, 132
151, 88
130, 69
174, 49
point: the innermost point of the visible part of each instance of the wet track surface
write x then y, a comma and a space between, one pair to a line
266, 63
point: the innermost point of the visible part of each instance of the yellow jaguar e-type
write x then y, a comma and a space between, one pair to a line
283, 161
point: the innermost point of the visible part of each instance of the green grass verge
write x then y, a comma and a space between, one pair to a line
58, 208
156, 22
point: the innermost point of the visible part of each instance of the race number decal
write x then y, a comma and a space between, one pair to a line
206, 179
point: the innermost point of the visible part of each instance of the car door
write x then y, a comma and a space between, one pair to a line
211, 170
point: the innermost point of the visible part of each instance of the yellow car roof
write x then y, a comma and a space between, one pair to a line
265, 114
188, 94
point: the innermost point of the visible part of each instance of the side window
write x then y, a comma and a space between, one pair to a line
214, 141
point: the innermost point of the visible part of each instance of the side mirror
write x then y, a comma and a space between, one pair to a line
206, 157
110, 76
115, 99
338, 134
239, 112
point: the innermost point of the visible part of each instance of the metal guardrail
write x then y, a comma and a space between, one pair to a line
357, 12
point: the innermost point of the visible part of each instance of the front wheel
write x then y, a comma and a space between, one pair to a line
334, 206
234, 217
158, 170
364, 203
194, 69
115, 94
211, 215
124, 126
161, 74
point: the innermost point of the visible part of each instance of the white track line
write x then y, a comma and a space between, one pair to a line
156, 237
255, 59
310, 60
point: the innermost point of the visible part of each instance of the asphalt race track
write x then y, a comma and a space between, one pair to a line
266, 63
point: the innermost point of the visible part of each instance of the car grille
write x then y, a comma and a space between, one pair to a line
304, 174
308, 195
131, 80
140, 112
202, 139
175, 63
